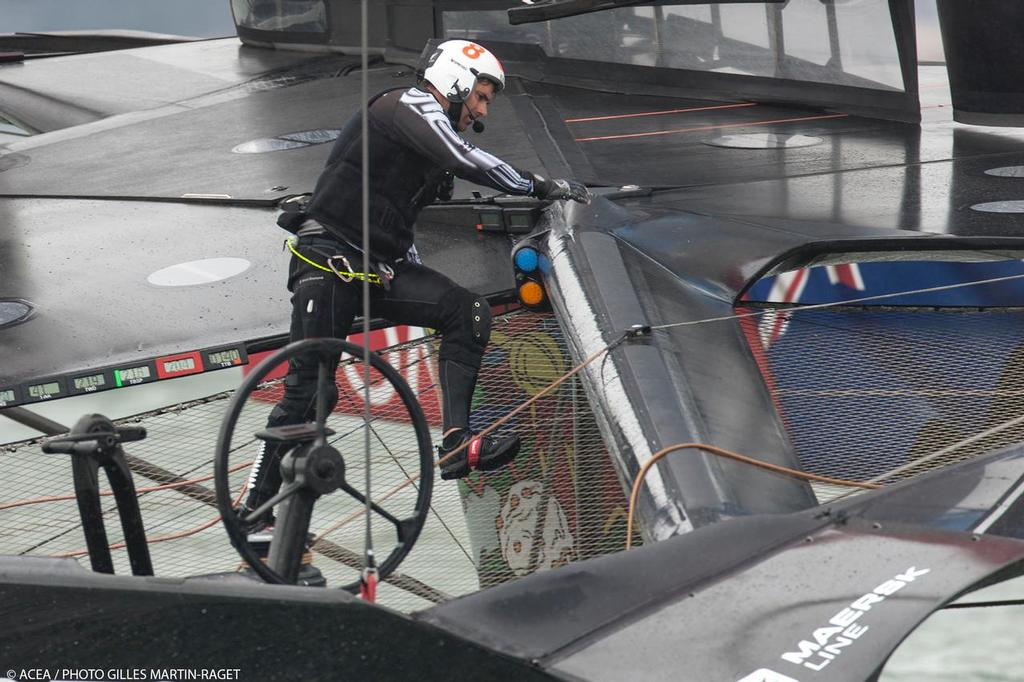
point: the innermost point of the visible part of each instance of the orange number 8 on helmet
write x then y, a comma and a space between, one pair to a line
473, 51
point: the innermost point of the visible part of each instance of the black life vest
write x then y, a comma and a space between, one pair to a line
402, 182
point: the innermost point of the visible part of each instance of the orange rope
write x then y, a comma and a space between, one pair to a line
162, 538
412, 479
557, 382
108, 493
150, 541
730, 455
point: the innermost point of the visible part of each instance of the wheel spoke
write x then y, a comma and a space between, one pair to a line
373, 505
321, 396
283, 494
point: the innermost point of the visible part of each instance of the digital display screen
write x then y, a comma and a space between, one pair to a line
490, 219
178, 365
519, 220
225, 357
44, 390
132, 375
7, 395
89, 383
182, 365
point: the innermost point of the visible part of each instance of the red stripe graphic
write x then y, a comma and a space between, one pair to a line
712, 127
660, 113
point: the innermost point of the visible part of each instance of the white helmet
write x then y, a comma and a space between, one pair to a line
456, 64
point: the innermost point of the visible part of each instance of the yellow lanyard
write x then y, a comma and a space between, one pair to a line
345, 275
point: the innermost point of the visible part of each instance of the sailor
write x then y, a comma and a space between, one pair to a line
415, 148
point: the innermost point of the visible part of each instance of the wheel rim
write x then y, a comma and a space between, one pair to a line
323, 348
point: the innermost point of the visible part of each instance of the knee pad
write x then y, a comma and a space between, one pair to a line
467, 327
481, 323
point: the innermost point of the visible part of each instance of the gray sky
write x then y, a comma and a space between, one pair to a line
201, 18
929, 44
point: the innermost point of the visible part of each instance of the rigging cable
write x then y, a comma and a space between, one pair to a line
368, 582
514, 412
837, 304
639, 330
924, 459
986, 604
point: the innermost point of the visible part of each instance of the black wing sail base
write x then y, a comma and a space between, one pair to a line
779, 597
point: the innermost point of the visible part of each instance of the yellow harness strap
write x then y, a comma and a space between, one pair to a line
345, 275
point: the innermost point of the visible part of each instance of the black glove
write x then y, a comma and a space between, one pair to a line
293, 212
446, 187
560, 189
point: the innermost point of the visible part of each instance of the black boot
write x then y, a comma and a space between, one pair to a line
482, 454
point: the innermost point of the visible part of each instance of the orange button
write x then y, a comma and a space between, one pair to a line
531, 293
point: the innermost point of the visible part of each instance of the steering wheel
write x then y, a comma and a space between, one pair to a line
313, 467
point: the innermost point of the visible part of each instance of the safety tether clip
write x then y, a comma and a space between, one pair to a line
346, 275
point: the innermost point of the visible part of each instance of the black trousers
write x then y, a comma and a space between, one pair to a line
325, 306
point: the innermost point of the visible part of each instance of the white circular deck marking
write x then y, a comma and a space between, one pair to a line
1000, 207
1006, 172
13, 311
197, 272
763, 141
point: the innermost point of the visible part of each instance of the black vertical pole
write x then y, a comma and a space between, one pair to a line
984, 59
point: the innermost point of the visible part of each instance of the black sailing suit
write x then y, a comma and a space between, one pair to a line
412, 144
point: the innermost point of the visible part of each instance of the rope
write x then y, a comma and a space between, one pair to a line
558, 382
109, 493
555, 384
433, 510
924, 459
633, 333
721, 452
838, 304
711, 449
162, 538
149, 541
642, 330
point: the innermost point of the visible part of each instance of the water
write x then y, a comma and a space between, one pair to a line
966, 645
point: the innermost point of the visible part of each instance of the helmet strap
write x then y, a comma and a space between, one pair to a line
454, 113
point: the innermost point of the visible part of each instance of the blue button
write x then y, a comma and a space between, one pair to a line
526, 259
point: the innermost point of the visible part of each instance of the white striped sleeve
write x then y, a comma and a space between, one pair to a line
425, 126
